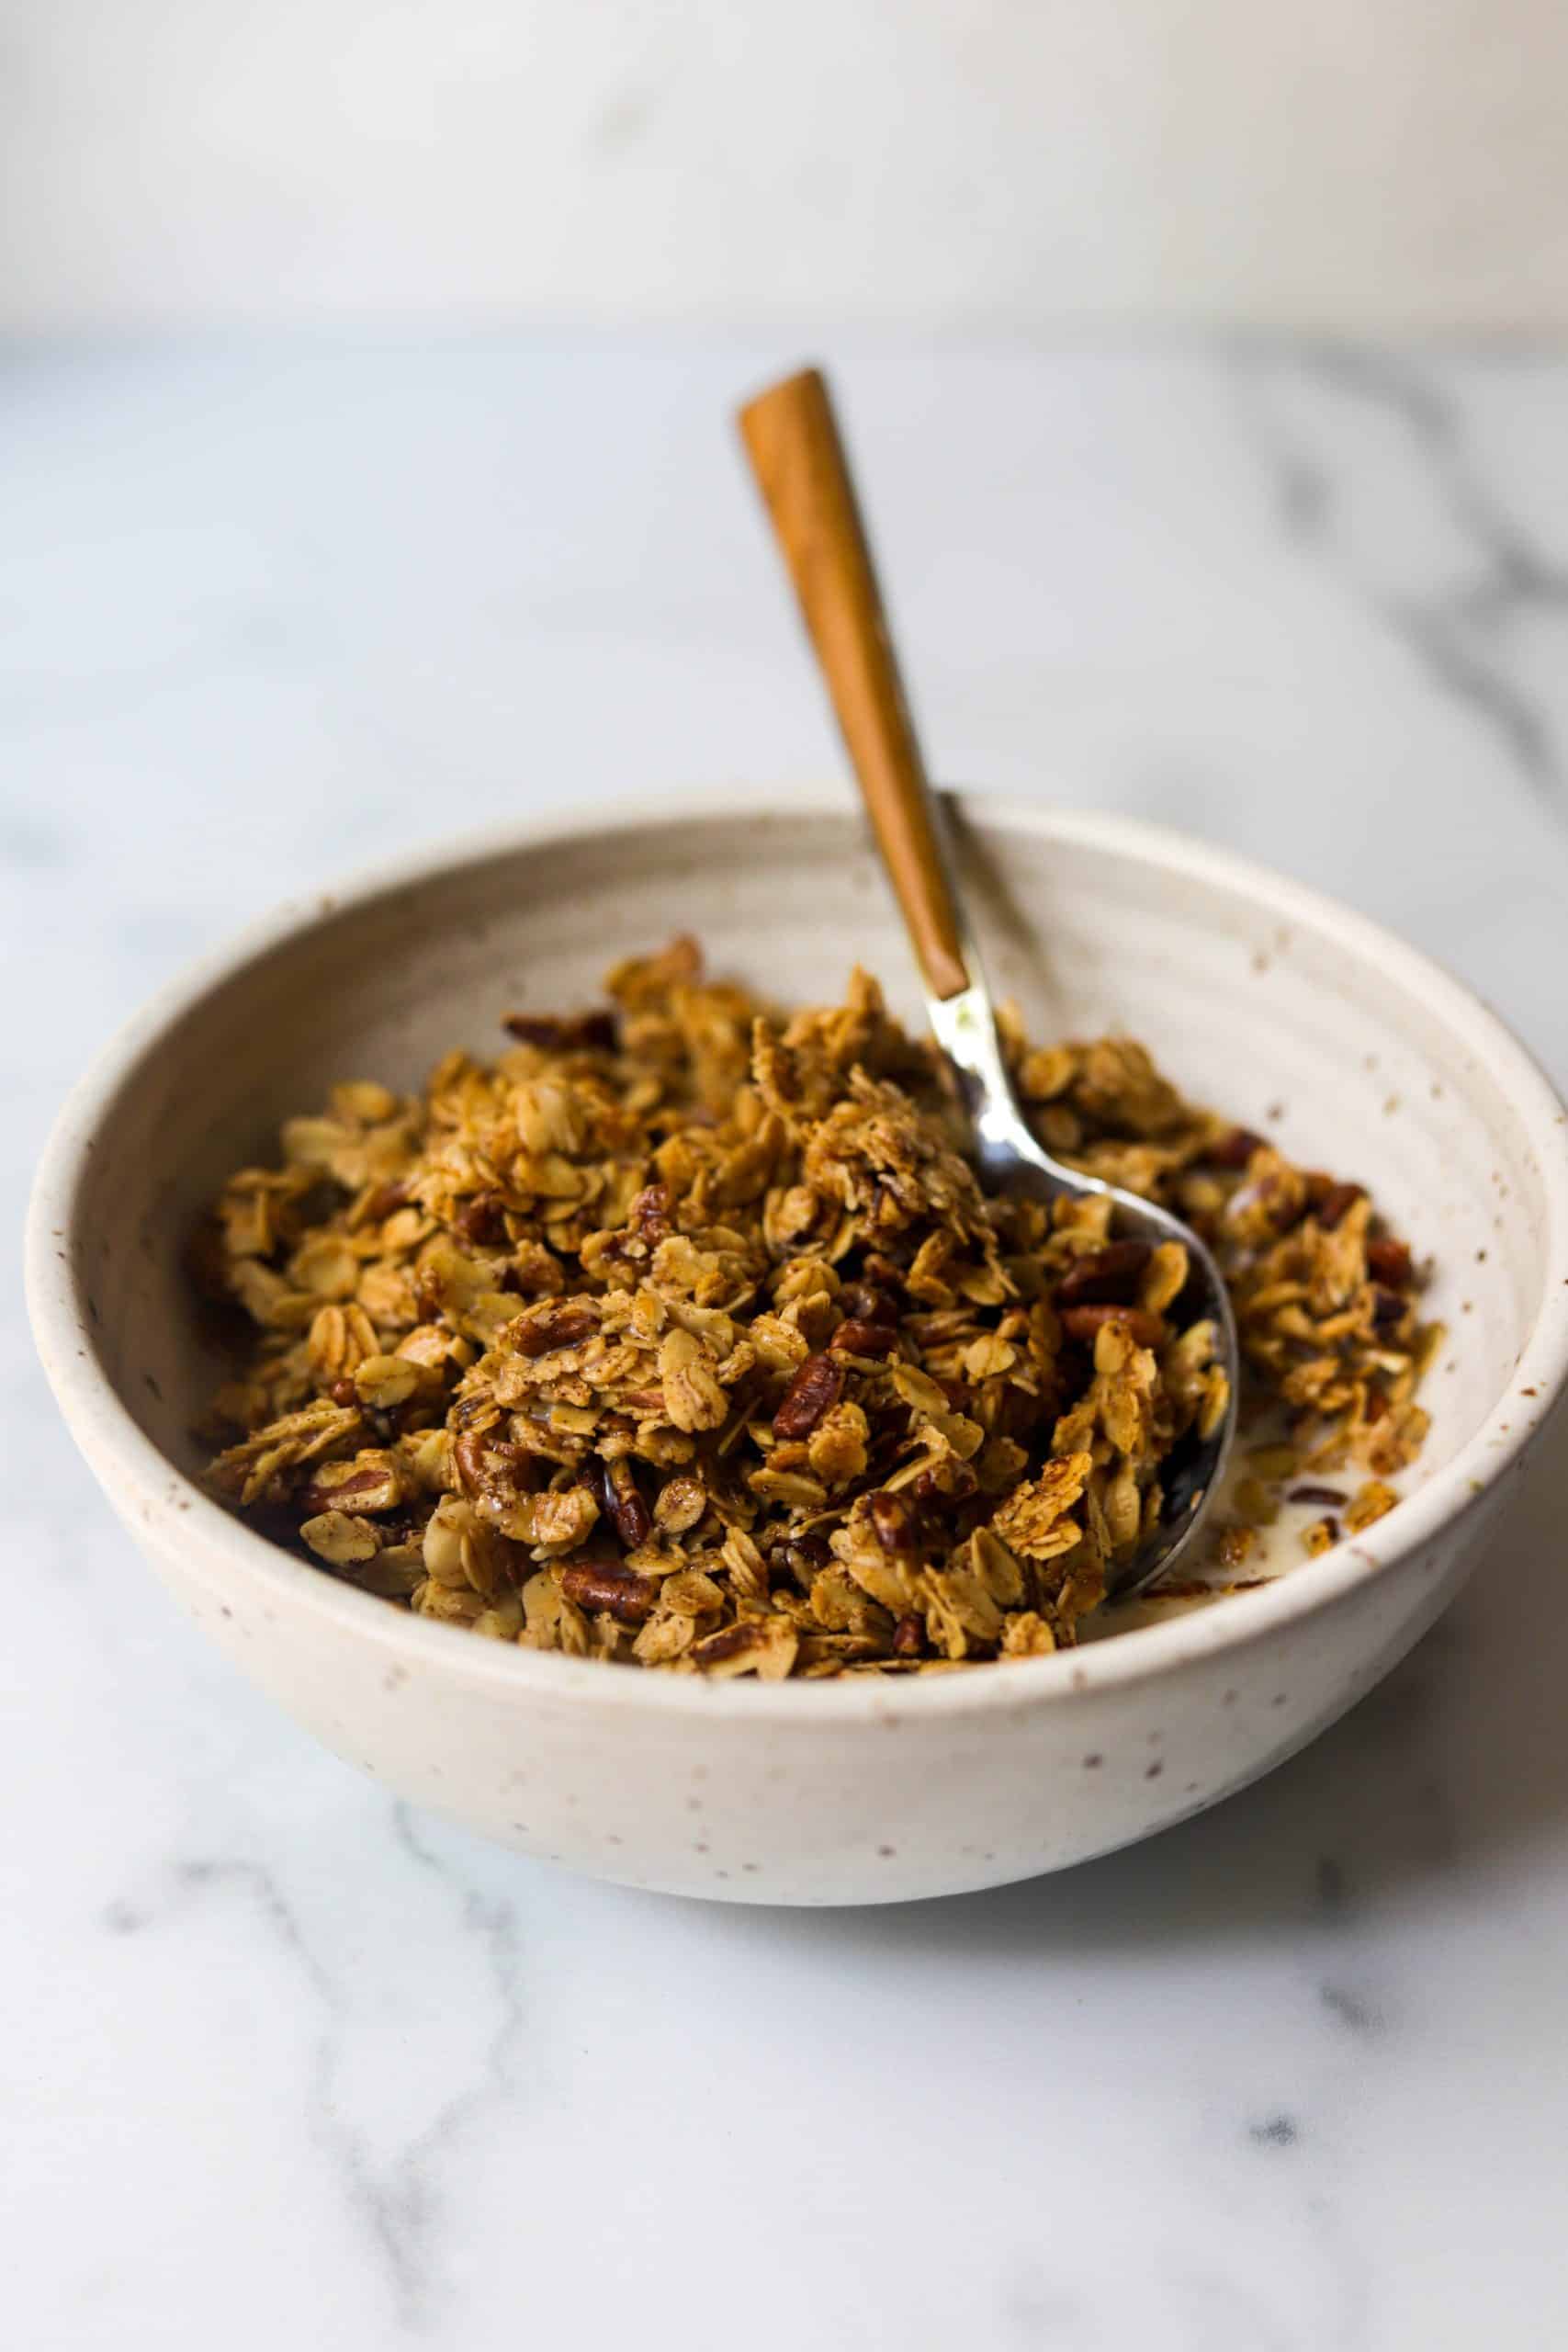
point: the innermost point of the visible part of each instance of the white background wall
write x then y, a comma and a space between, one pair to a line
1005, 162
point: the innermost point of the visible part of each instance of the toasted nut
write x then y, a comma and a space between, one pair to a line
573, 1033
855, 1338
815, 1390
369, 1482
1337, 1204
1389, 1261
384, 1201
649, 1214
1087, 1322
909, 1636
766, 1646
1105, 1277
597, 1585
1235, 1149
730, 1642
954, 1481
1390, 1309
801, 1559
864, 1303
554, 1323
624, 1506
1325, 1496
894, 1521
487, 1463
483, 1220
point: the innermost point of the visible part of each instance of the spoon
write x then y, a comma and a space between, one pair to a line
791, 439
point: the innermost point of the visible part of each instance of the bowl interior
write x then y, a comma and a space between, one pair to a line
1313, 1029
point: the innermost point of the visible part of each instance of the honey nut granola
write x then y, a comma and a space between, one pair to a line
681, 1334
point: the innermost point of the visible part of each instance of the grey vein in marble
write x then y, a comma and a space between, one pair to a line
402, 2194
1460, 630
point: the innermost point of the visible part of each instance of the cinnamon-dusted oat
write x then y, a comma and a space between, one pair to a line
681, 1334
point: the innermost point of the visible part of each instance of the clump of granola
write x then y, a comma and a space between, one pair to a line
682, 1335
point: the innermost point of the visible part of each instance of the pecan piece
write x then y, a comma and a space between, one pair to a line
559, 1323
1390, 1309
1235, 1149
908, 1637
895, 1521
955, 1482
360, 1485
649, 1214
624, 1506
384, 1200
483, 1220
856, 1338
731, 1641
815, 1390
555, 1033
596, 1584
1106, 1277
487, 1463
1337, 1204
1389, 1262
802, 1557
1083, 1322
863, 1303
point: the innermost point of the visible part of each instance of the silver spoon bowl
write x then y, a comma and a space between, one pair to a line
1009, 1159
793, 440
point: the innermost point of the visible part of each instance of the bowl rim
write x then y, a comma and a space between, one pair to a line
149, 1489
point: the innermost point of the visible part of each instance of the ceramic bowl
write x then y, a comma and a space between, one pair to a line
1297, 1016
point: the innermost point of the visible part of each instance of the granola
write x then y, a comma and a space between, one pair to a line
682, 1335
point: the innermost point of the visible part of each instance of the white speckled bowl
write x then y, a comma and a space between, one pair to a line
1273, 1002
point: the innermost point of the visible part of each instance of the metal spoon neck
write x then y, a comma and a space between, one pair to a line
966, 1028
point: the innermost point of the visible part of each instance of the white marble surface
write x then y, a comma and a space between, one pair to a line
283, 2061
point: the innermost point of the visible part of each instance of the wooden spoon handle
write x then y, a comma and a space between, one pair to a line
791, 438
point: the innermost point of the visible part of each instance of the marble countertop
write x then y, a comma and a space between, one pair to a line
286, 2061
